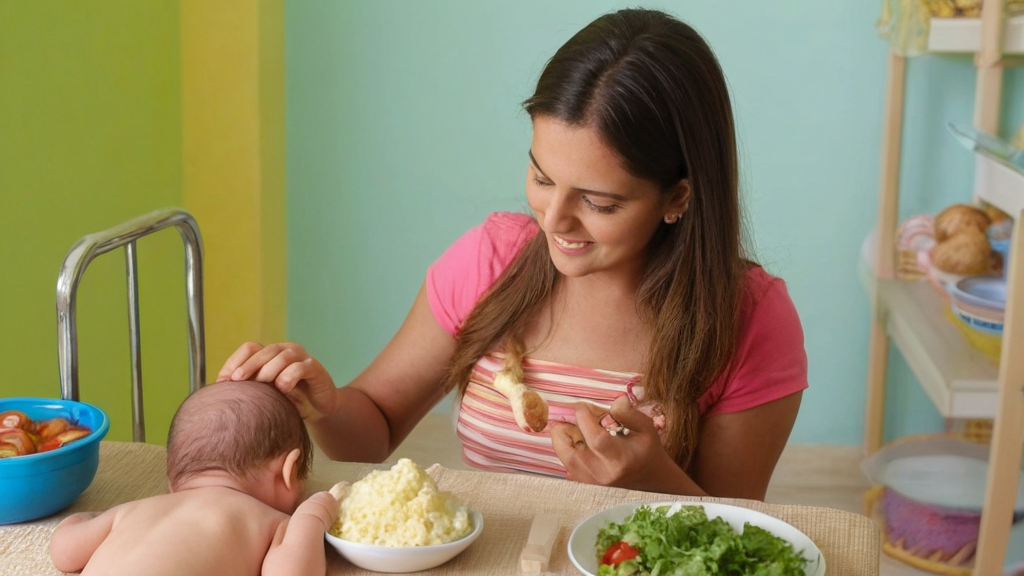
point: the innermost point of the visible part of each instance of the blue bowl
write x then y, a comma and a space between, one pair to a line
40, 484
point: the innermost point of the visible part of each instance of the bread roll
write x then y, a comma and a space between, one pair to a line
967, 253
960, 217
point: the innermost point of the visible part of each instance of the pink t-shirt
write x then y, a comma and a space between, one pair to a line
770, 360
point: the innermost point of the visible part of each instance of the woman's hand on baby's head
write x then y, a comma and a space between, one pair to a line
290, 369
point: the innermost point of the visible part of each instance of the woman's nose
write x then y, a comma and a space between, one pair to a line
559, 212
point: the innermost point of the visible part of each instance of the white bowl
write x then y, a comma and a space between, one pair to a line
405, 559
582, 541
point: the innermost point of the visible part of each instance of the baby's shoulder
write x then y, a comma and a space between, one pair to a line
226, 504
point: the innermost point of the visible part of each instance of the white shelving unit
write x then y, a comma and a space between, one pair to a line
964, 35
961, 381
998, 184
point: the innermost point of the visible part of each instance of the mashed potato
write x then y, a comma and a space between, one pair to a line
401, 507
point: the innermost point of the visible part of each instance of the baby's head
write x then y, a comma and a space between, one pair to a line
235, 427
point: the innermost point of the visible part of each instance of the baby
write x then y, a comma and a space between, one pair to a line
237, 456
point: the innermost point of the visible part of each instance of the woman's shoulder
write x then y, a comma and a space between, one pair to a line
493, 243
759, 288
770, 360
460, 276
509, 229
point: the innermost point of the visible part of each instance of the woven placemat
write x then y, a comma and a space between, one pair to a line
850, 542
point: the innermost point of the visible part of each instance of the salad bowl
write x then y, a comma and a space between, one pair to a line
584, 555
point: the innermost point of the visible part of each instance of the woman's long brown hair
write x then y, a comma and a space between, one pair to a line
654, 90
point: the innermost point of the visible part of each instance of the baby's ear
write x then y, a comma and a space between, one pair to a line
290, 469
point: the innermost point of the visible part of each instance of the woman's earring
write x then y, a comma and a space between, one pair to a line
671, 218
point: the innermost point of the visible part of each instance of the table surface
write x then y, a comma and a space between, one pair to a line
128, 471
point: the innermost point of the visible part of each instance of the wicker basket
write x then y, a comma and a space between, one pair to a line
971, 429
926, 536
922, 522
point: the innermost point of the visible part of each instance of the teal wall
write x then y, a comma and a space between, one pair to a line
404, 129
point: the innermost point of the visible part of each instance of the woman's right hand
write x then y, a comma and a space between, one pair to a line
290, 369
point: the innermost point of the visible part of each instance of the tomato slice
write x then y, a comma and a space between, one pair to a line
618, 553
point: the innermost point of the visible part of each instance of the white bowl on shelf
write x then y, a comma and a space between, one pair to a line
398, 559
987, 291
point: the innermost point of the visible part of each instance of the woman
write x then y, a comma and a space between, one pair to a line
627, 290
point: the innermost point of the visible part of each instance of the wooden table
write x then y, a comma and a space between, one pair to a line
850, 542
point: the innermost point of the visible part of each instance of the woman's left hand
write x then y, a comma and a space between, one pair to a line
592, 455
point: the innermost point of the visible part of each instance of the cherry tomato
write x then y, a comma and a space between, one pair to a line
618, 553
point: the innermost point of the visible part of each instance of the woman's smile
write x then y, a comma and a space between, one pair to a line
571, 246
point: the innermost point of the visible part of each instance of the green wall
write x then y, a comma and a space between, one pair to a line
90, 136
404, 129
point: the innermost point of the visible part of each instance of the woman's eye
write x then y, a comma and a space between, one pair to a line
540, 182
599, 208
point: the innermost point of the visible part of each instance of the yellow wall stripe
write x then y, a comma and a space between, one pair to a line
233, 165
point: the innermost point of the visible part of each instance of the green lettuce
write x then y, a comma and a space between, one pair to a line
687, 543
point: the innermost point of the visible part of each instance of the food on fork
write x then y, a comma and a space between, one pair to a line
529, 409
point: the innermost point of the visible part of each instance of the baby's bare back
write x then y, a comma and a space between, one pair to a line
216, 531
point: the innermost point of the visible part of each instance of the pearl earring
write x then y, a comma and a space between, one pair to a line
671, 218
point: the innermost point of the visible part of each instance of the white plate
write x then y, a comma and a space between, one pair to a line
404, 559
583, 539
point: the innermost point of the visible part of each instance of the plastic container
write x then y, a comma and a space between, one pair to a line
37, 485
999, 239
989, 344
932, 490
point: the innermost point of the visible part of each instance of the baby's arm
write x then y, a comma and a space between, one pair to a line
298, 546
77, 537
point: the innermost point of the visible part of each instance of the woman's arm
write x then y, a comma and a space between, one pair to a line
737, 452
77, 537
380, 407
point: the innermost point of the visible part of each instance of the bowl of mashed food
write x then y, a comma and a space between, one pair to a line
398, 520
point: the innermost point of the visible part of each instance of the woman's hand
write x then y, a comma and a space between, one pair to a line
634, 460
291, 370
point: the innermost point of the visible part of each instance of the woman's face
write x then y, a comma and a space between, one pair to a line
597, 217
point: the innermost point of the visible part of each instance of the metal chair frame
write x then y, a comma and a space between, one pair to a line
126, 234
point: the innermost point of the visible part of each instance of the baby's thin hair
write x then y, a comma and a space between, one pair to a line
235, 427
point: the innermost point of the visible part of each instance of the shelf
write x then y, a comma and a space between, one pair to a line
964, 35
961, 381
999, 184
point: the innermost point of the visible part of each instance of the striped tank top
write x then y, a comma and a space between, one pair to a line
483, 418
